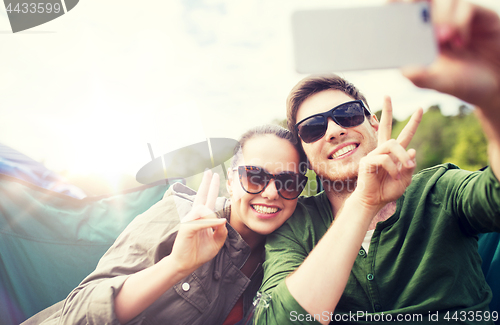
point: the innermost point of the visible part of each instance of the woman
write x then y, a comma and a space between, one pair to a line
181, 263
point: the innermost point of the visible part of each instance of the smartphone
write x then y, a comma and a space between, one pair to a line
361, 38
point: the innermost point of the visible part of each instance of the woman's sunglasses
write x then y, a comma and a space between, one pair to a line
347, 115
255, 180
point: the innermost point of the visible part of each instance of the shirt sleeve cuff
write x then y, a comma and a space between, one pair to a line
101, 308
294, 312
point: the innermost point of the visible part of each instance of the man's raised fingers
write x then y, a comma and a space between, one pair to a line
395, 151
385, 127
373, 164
410, 128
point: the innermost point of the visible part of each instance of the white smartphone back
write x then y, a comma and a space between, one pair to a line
343, 39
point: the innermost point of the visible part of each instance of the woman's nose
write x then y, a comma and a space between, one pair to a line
271, 192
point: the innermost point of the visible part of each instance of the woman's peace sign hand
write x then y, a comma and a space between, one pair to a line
201, 234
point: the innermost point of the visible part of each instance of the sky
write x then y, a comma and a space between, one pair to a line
86, 92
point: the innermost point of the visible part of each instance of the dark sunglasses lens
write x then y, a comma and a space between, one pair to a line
312, 129
290, 185
252, 179
349, 115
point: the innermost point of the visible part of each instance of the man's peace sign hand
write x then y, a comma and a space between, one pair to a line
385, 173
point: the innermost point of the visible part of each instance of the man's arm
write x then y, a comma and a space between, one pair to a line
286, 250
468, 66
317, 285
319, 282
383, 176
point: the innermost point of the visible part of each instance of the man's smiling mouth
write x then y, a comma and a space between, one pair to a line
343, 151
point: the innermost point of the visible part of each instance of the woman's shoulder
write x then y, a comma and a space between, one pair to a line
181, 190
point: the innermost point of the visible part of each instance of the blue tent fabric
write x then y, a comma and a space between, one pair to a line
50, 241
16, 164
489, 249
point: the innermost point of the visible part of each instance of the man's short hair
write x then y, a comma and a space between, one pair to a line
312, 85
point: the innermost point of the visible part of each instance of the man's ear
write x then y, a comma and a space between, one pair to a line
229, 182
374, 122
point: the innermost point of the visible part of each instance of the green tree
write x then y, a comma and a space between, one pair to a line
434, 139
470, 149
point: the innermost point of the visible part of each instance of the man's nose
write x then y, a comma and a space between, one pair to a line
334, 131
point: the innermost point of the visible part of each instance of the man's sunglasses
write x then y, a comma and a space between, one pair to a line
347, 115
255, 179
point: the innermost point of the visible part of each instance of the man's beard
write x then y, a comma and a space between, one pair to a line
337, 178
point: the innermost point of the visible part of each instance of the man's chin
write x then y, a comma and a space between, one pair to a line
340, 178
338, 172
340, 183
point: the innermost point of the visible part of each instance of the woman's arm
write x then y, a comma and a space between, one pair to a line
200, 237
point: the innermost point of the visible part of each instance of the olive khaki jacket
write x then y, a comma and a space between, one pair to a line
204, 297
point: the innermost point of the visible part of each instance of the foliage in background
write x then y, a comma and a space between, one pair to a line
470, 149
440, 139
312, 185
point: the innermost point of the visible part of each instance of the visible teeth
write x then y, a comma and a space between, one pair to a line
344, 150
264, 209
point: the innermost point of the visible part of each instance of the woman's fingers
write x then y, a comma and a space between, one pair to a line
214, 227
199, 212
410, 128
220, 234
201, 195
208, 190
385, 126
213, 192
204, 223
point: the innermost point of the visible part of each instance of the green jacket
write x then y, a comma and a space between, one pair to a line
422, 264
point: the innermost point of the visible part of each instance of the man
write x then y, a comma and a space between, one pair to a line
419, 260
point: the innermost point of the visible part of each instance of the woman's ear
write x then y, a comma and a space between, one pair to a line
229, 182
